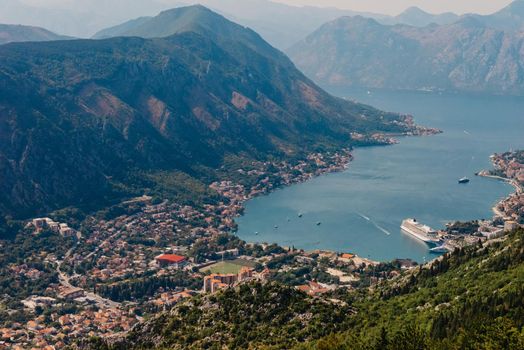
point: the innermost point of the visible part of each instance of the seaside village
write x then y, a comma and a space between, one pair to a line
508, 213
510, 166
118, 270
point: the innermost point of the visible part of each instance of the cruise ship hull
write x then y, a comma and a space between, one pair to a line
420, 236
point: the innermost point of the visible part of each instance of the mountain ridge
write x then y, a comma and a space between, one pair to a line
99, 118
466, 55
20, 33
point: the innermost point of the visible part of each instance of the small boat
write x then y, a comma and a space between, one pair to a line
300, 215
276, 226
319, 223
256, 233
464, 180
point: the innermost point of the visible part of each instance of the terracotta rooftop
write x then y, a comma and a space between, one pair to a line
171, 258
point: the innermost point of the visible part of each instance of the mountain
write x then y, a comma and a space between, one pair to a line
472, 298
121, 29
464, 56
79, 19
510, 18
281, 25
19, 33
88, 122
416, 17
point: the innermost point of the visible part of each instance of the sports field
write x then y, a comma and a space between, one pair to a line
226, 267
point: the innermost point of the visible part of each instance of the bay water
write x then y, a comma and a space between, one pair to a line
360, 210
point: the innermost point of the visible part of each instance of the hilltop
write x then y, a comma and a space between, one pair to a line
19, 33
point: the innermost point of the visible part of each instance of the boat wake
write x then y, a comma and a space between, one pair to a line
382, 229
367, 218
364, 217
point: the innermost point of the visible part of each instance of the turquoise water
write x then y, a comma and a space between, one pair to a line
361, 209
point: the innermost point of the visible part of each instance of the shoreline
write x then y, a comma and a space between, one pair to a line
519, 189
337, 168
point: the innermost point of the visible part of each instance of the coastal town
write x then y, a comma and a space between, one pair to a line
509, 167
508, 213
118, 270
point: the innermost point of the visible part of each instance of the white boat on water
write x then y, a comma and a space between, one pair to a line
420, 231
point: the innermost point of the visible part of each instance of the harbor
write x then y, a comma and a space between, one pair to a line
362, 207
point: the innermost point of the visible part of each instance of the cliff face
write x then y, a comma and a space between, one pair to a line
464, 56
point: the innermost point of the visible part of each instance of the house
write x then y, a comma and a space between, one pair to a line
172, 260
215, 282
70, 293
229, 253
314, 288
510, 226
245, 273
66, 231
346, 258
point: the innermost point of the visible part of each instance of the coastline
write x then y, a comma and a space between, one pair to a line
519, 189
388, 139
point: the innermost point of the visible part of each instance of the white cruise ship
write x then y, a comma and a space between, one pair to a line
420, 231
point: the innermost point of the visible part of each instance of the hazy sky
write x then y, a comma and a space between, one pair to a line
391, 7
396, 6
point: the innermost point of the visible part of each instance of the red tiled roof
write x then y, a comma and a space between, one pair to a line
171, 258
304, 288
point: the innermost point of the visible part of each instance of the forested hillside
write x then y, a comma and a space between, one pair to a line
88, 122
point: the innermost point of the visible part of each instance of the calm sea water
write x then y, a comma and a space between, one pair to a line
361, 209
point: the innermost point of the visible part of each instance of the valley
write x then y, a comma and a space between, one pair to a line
176, 181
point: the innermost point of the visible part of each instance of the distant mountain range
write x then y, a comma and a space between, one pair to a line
78, 18
19, 33
467, 55
416, 17
281, 25
85, 122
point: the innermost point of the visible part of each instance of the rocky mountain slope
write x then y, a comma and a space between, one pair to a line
19, 33
86, 122
510, 18
464, 56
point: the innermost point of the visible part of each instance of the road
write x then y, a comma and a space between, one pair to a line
64, 281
